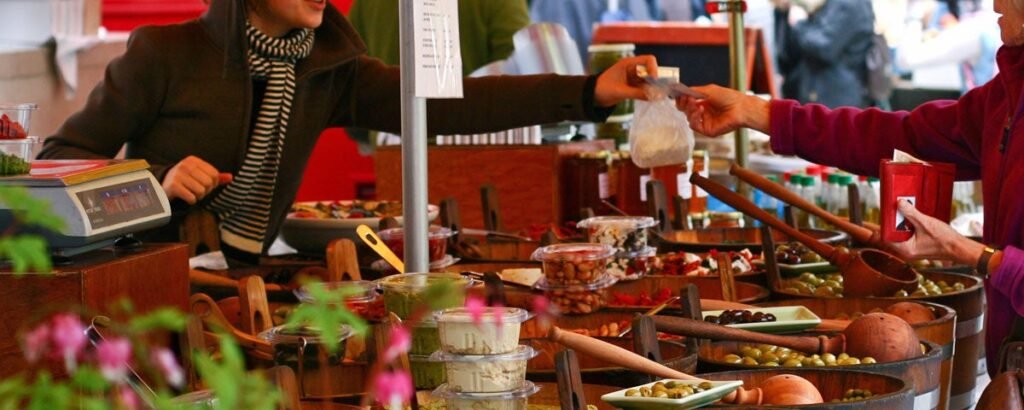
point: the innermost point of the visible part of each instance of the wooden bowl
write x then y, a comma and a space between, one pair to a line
889, 392
732, 239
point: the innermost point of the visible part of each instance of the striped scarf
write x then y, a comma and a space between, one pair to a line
244, 205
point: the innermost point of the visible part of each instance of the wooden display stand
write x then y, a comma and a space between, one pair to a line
528, 178
700, 52
151, 277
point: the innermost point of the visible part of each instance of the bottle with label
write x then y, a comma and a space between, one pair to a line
616, 127
843, 197
807, 193
873, 195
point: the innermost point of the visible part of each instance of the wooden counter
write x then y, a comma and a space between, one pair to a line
528, 178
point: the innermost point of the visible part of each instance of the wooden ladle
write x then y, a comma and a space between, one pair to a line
858, 233
881, 336
792, 391
866, 272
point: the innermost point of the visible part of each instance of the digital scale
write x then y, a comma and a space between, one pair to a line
100, 201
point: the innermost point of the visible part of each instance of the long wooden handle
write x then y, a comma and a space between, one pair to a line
705, 330
371, 239
211, 315
859, 233
613, 354
744, 205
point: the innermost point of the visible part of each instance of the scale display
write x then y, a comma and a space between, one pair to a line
125, 202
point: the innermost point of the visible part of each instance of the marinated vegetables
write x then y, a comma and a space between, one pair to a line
731, 317
669, 390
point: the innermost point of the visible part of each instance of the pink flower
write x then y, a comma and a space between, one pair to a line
36, 343
399, 342
476, 307
164, 360
393, 389
499, 317
127, 398
113, 355
543, 310
68, 337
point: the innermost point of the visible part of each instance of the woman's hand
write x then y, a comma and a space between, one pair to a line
620, 82
935, 239
192, 179
724, 110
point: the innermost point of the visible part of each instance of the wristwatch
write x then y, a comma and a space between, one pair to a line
982, 267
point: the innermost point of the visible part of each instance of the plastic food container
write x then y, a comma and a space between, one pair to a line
403, 293
426, 374
425, 338
578, 299
627, 233
632, 265
497, 330
15, 120
385, 269
16, 156
197, 400
437, 241
574, 263
486, 373
511, 400
304, 344
366, 303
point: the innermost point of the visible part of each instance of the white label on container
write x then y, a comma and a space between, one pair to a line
684, 186
643, 187
701, 193
602, 186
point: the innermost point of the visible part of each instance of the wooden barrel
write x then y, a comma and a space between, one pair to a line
731, 239
923, 372
970, 320
941, 330
889, 393
592, 323
674, 354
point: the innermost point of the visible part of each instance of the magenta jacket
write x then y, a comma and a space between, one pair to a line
968, 132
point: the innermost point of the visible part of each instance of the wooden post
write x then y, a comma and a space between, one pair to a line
570, 383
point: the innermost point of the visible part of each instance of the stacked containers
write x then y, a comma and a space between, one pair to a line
575, 275
628, 236
484, 363
402, 294
437, 246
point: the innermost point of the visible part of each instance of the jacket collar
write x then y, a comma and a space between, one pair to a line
336, 40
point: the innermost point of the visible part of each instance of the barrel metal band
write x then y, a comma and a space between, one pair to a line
971, 327
961, 401
927, 401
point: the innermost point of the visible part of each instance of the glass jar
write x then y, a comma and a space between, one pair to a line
603, 56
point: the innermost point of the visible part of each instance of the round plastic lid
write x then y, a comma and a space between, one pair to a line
436, 232
23, 106
605, 281
463, 315
30, 140
634, 222
615, 47
527, 390
367, 291
198, 397
648, 252
284, 335
573, 251
420, 281
522, 352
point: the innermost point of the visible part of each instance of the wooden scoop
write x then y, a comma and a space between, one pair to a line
867, 272
881, 336
857, 232
779, 393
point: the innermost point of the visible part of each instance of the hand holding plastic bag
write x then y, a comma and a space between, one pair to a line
660, 134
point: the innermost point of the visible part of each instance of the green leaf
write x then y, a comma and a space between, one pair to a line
327, 313
26, 252
29, 210
160, 319
89, 380
442, 294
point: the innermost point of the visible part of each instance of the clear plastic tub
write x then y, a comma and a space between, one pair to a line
511, 400
437, 241
15, 120
632, 265
16, 156
197, 400
574, 263
486, 373
627, 233
366, 303
426, 374
495, 332
578, 299
403, 293
425, 338
305, 345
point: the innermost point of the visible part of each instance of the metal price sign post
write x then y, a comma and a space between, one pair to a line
737, 71
431, 68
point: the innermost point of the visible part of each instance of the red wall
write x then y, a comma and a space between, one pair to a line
336, 168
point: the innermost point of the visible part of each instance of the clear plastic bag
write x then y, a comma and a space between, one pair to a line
660, 134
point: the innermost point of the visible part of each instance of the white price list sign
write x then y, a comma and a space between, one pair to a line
438, 56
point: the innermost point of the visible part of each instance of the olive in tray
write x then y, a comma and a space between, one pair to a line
731, 317
795, 253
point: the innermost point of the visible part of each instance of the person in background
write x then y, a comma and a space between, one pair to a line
227, 108
683, 10
982, 133
579, 16
823, 58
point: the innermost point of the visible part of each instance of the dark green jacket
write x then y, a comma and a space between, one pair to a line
485, 29
185, 89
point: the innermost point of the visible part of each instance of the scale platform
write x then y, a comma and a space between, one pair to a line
100, 201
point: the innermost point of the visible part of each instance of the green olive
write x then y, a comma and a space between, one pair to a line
706, 385
849, 361
731, 358
632, 392
660, 394
792, 363
842, 356
868, 360
769, 357
749, 362
770, 364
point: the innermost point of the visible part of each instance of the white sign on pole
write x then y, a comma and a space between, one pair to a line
438, 50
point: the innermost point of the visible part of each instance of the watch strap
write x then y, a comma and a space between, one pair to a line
982, 267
